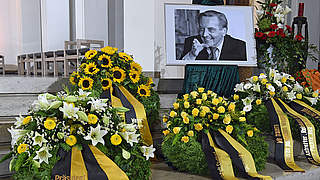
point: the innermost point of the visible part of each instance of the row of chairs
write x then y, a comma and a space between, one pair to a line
2, 65
60, 62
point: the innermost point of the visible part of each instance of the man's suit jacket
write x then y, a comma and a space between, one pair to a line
232, 49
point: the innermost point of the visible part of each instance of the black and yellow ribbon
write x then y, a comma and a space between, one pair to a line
121, 97
88, 164
219, 162
304, 108
282, 134
241, 157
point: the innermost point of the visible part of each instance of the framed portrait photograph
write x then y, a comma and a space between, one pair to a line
197, 34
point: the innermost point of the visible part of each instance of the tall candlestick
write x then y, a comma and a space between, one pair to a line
301, 8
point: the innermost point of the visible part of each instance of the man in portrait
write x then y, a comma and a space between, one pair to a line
213, 42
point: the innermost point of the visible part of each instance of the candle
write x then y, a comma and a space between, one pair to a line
301, 8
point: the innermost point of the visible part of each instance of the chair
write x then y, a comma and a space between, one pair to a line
3, 64
49, 57
37, 64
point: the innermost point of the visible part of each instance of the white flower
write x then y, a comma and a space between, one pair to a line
312, 100
256, 87
19, 121
16, 134
128, 127
247, 108
97, 105
262, 76
291, 95
247, 86
126, 154
271, 88
106, 120
278, 83
239, 88
43, 155
96, 135
286, 10
38, 139
41, 103
130, 137
260, 12
297, 87
148, 151
69, 111
272, 73
280, 25
247, 101
279, 18
83, 94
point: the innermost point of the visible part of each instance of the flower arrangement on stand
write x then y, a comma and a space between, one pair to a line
200, 112
277, 47
72, 120
100, 69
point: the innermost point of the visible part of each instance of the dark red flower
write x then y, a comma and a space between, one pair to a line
264, 37
282, 35
273, 26
271, 34
259, 34
289, 28
273, 4
299, 37
269, 14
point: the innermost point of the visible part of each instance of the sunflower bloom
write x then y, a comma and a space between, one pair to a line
106, 83
91, 69
109, 50
135, 66
134, 76
90, 54
106, 61
85, 83
143, 90
118, 74
125, 56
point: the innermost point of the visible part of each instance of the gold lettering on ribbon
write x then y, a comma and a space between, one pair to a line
64, 177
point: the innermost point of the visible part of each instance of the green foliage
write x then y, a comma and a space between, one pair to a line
259, 117
259, 151
185, 157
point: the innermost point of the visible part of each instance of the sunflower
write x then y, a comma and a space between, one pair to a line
150, 81
134, 76
135, 66
143, 90
118, 74
90, 54
109, 50
125, 56
85, 83
83, 66
106, 61
91, 68
106, 83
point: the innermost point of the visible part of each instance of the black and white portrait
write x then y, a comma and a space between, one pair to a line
210, 35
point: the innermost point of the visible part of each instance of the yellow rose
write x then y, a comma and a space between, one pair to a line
203, 113
71, 140
176, 130
315, 94
272, 93
242, 119
227, 119
194, 94
198, 126
231, 107
164, 118
92, 119
236, 97
258, 101
198, 101
306, 90
190, 133
195, 112
184, 114
283, 80
255, 78
186, 120
165, 132
173, 114
22, 148
185, 139
215, 101
242, 113
250, 133
50, 123
116, 139
284, 88
220, 99
215, 116
209, 92
264, 81
175, 105
221, 109
186, 104
205, 108
200, 90
185, 97
168, 124
299, 96
261, 74
26, 120
229, 129
204, 96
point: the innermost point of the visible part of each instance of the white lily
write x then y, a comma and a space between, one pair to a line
297, 87
247, 101
262, 76
69, 111
126, 154
128, 127
97, 105
130, 137
43, 101
271, 88
43, 155
247, 86
16, 135
272, 73
96, 135
260, 12
38, 139
239, 88
19, 121
148, 151
312, 100
278, 83
286, 10
256, 88
291, 95
247, 108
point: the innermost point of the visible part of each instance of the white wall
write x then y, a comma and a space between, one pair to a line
139, 31
159, 44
